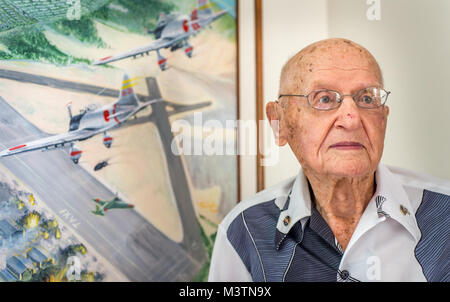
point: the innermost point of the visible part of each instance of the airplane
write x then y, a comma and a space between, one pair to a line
88, 123
172, 31
103, 206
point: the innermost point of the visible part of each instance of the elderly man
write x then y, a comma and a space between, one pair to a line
345, 217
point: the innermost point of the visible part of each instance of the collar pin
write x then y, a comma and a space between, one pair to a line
404, 210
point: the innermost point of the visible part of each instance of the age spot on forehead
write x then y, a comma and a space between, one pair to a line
348, 42
312, 49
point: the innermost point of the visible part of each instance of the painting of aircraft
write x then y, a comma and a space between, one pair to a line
103, 206
172, 31
88, 123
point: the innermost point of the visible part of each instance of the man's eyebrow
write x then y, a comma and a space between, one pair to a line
320, 84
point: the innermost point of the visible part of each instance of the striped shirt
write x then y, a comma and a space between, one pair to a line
278, 235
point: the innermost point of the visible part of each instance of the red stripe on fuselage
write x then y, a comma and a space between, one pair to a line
104, 59
114, 112
185, 26
75, 153
18, 147
107, 139
194, 14
106, 115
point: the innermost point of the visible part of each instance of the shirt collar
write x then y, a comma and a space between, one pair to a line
390, 197
298, 204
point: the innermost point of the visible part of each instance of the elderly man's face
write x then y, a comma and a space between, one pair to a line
319, 138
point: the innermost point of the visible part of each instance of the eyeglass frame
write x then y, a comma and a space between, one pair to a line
341, 98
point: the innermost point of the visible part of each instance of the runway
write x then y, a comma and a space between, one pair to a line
60, 84
128, 241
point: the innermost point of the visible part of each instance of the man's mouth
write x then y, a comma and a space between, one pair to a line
347, 146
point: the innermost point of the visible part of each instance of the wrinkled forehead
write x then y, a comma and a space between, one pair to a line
331, 54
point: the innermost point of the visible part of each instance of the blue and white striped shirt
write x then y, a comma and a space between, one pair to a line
278, 235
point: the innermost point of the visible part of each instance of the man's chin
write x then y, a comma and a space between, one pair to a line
349, 169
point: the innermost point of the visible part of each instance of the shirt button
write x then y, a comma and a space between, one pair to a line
345, 274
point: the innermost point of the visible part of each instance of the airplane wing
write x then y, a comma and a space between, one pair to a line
204, 22
50, 142
155, 45
100, 202
216, 16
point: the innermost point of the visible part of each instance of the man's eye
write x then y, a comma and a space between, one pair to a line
325, 99
366, 99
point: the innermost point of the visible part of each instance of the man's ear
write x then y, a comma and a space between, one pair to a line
275, 114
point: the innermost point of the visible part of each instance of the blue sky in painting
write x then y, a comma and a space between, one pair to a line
230, 5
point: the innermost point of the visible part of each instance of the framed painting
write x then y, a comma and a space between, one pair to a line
118, 138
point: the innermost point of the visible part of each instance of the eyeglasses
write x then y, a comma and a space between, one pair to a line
326, 99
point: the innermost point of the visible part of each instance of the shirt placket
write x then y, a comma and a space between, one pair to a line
373, 215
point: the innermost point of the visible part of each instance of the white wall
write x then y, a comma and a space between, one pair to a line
247, 93
288, 26
411, 43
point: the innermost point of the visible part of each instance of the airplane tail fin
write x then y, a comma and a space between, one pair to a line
162, 18
127, 96
203, 9
69, 108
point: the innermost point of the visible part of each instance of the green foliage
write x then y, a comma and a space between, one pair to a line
202, 275
44, 273
226, 24
5, 56
84, 30
33, 45
87, 276
134, 15
72, 250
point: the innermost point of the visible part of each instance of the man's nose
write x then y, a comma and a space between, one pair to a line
348, 114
